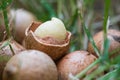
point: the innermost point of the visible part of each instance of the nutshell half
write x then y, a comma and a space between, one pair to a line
54, 48
114, 38
6, 53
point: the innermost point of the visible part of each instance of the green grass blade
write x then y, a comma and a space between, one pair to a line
81, 74
105, 56
98, 71
106, 14
3, 6
48, 7
6, 43
113, 75
89, 35
6, 23
4, 3
12, 50
105, 29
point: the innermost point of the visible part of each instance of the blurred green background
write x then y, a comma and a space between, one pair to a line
67, 11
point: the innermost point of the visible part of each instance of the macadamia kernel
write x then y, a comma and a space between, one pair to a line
54, 28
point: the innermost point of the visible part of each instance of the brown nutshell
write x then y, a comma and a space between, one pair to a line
48, 45
6, 53
74, 63
30, 65
114, 38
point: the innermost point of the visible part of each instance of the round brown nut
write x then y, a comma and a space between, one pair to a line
74, 63
6, 53
30, 65
114, 38
21, 19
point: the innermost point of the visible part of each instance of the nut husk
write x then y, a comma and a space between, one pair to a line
6, 53
73, 63
113, 36
30, 65
48, 45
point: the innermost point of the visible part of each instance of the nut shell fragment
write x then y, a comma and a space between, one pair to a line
47, 45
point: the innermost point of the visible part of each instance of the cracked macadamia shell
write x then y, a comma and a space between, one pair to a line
30, 65
49, 45
74, 63
6, 53
114, 38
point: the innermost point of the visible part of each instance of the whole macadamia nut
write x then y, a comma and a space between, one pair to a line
30, 65
74, 63
114, 38
6, 53
21, 19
